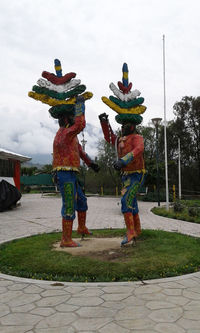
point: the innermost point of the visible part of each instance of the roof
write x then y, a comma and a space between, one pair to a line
6, 154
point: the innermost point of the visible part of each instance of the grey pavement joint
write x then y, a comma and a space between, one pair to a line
170, 305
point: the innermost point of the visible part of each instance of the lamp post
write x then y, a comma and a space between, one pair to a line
165, 130
156, 122
83, 141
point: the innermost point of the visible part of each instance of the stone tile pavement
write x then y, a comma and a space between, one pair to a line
166, 305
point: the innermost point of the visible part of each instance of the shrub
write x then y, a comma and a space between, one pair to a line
153, 197
27, 189
178, 207
193, 211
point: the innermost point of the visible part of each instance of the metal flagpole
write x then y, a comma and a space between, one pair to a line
179, 169
165, 129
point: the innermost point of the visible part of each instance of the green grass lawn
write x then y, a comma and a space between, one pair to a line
157, 254
186, 210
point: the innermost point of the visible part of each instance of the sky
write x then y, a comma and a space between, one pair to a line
93, 38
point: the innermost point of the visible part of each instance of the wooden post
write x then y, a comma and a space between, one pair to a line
174, 192
102, 190
117, 191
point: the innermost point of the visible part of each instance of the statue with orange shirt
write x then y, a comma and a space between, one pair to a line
129, 148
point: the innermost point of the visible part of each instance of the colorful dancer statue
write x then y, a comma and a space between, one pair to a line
129, 148
62, 93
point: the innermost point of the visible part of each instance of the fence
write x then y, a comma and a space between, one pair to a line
42, 182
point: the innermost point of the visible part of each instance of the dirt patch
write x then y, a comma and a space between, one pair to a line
106, 249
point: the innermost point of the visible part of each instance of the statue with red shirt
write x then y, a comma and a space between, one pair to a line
67, 152
66, 97
129, 147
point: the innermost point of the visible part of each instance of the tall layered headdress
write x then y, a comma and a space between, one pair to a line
126, 103
59, 91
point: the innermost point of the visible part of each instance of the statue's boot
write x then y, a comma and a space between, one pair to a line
130, 234
82, 229
66, 240
137, 225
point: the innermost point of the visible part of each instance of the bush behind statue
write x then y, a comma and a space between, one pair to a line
153, 197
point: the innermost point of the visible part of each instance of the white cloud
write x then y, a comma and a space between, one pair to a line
93, 38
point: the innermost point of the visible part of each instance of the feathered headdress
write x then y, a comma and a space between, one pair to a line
126, 103
59, 91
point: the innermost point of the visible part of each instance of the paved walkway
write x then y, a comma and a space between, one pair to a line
166, 305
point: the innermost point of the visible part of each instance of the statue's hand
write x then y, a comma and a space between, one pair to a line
79, 106
95, 167
80, 99
118, 165
103, 117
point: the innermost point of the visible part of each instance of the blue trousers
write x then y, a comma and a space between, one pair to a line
130, 186
73, 197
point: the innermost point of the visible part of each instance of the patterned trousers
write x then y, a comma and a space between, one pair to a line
130, 186
73, 198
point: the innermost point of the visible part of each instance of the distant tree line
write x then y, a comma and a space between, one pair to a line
186, 126
30, 171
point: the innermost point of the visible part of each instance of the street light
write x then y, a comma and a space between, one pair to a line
83, 141
156, 122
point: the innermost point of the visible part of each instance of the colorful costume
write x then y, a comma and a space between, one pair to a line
66, 161
62, 93
129, 148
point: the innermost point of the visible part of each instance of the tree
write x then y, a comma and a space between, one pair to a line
28, 171
148, 134
47, 168
106, 154
106, 157
187, 122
